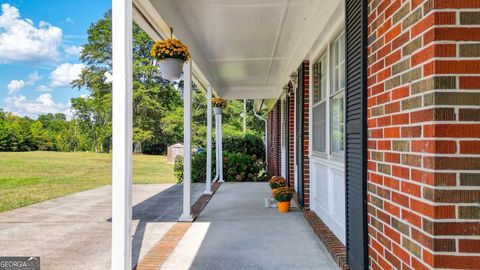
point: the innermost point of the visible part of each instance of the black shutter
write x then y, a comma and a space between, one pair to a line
279, 137
356, 133
287, 140
300, 100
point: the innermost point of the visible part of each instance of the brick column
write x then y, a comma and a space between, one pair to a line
424, 130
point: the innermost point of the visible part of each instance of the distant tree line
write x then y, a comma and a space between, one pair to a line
157, 106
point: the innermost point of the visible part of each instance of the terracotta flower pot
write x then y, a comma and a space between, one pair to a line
171, 68
283, 207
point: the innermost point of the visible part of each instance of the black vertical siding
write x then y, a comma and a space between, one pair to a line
287, 139
299, 103
356, 134
279, 137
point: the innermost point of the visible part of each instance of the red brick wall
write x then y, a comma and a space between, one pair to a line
424, 131
274, 156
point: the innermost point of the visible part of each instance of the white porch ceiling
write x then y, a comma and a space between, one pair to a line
244, 48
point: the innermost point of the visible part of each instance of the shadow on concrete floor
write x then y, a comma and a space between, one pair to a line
165, 206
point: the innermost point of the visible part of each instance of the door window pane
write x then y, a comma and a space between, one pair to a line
337, 97
319, 112
337, 54
337, 123
320, 79
319, 126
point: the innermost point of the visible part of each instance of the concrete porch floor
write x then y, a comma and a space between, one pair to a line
236, 231
74, 231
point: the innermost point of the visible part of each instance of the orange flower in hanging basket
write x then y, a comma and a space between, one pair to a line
170, 48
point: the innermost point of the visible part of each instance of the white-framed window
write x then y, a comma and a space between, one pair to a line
328, 92
337, 96
319, 110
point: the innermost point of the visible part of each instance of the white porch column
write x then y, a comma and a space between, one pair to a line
122, 135
217, 146
220, 148
187, 141
208, 181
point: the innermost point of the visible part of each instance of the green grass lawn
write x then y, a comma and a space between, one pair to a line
30, 177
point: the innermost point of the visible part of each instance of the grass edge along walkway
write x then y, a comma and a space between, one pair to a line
31, 177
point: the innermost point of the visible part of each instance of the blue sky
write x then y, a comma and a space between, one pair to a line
40, 43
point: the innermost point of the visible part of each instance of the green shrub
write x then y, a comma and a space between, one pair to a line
178, 168
242, 167
243, 157
199, 167
249, 144
236, 167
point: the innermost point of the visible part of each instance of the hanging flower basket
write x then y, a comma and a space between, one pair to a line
218, 105
170, 54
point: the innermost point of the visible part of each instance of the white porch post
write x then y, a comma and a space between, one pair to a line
187, 141
220, 148
217, 147
208, 185
122, 135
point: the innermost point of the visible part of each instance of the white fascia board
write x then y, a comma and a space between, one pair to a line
152, 17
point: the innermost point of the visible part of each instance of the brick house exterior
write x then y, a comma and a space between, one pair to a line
424, 130
423, 125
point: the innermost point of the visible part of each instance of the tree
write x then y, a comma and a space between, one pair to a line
153, 97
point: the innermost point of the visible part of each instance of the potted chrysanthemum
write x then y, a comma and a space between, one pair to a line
283, 196
170, 54
218, 105
277, 182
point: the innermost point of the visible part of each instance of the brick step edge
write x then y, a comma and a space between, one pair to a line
198, 206
337, 249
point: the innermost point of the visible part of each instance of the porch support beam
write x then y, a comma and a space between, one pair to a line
208, 181
187, 142
122, 135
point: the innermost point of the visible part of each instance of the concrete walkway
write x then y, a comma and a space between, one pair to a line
74, 232
236, 231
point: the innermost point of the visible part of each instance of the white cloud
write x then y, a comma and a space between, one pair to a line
73, 50
22, 41
33, 78
65, 73
107, 77
44, 88
43, 104
15, 86
69, 20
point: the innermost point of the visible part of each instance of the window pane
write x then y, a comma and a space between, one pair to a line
342, 76
337, 123
318, 127
317, 95
319, 80
341, 44
334, 80
323, 78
